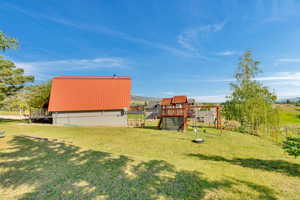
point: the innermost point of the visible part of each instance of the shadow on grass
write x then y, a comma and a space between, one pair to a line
280, 166
263, 191
151, 127
63, 171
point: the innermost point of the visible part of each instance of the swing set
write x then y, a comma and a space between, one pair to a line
176, 111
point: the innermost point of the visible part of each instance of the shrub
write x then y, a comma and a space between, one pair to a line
292, 146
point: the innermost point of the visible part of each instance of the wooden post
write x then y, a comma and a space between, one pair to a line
218, 117
160, 117
185, 110
144, 118
29, 119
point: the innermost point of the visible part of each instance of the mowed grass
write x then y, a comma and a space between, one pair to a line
135, 116
9, 112
135, 163
289, 115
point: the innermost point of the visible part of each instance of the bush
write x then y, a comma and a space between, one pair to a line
292, 146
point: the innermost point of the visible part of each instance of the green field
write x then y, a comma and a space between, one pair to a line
135, 116
290, 115
136, 163
9, 112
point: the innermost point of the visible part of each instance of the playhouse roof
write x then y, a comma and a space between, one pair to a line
166, 101
82, 93
174, 100
179, 99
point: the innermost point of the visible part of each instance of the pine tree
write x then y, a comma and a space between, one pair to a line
12, 79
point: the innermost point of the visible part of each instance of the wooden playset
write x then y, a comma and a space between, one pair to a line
176, 111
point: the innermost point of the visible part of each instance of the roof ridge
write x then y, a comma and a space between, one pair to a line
92, 77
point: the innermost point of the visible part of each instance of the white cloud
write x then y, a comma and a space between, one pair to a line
42, 69
210, 99
281, 76
185, 40
227, 53
281, 93
285, 84
188, 38
74, 64
170, 93
104, 30
289, 60
287, 92
199, 79
28, 68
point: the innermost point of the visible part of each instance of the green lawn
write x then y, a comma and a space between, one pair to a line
135, 163
9, 112
290, 115
135, 116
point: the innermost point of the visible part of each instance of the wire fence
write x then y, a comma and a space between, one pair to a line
280, 135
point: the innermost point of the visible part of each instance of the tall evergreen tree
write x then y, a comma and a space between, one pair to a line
12, 79
7, 42
38, 95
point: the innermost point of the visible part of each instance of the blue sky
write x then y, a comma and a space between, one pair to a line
168, 47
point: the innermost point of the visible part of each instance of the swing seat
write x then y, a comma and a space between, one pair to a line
198, 140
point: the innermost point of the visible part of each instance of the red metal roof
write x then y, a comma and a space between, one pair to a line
81, 93
179, 99
166, 101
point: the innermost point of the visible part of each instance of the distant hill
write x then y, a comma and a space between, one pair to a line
292, 100
141, 99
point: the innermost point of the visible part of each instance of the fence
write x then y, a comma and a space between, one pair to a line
280, 135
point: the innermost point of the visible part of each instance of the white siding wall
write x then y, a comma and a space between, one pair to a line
91, 118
